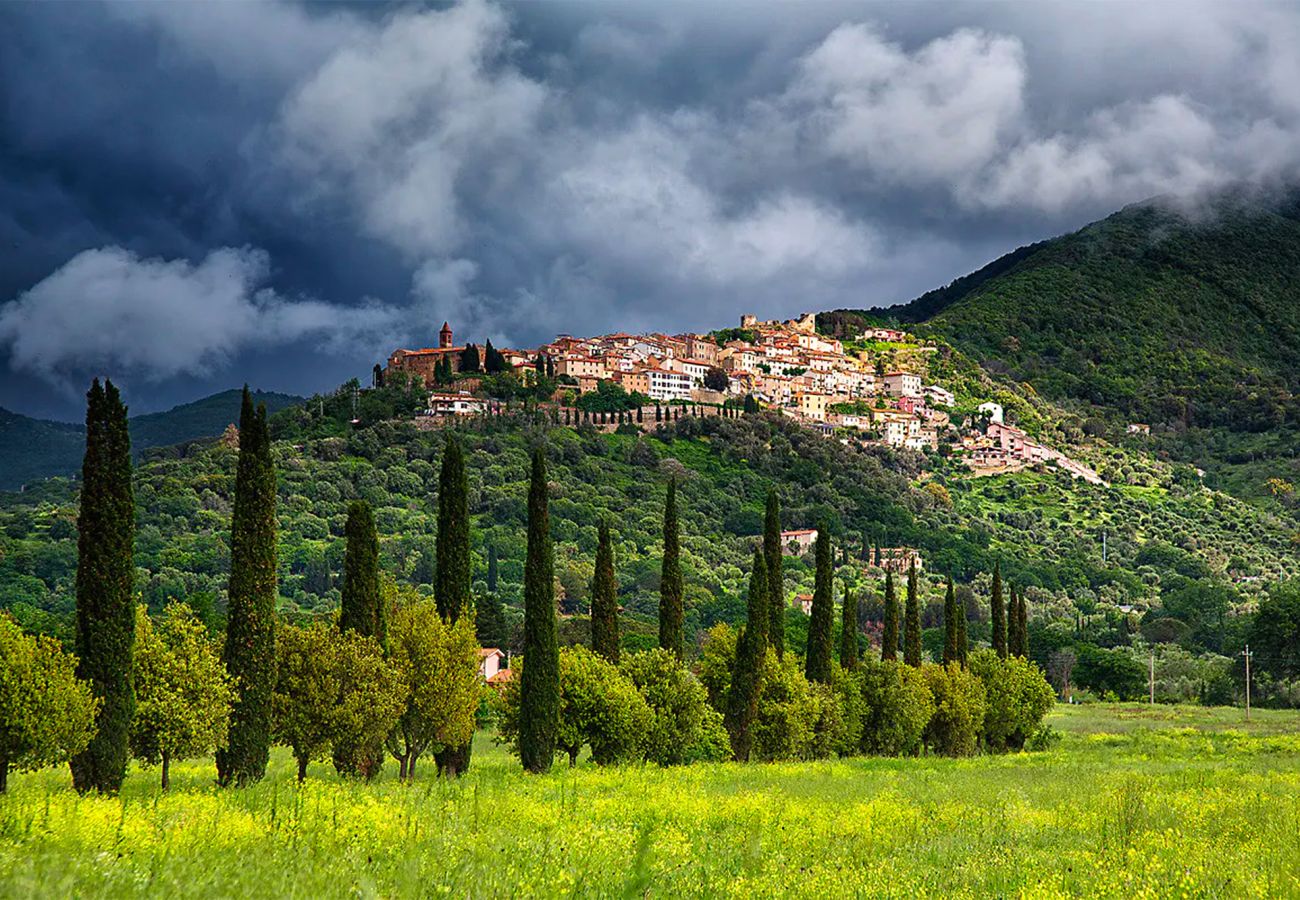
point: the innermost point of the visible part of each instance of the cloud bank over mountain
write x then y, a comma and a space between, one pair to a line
289, 189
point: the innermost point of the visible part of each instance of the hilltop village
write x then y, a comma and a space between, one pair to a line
841, 388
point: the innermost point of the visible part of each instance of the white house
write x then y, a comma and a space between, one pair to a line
994, 411
798, 542
489, 662
462, 403
666, 385
939, 396
902, 384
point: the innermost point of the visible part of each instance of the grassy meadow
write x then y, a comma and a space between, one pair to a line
1132, 802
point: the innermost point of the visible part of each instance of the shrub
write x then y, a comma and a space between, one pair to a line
897, 706
677, 702
711, 744
601, 707
959, 706
788, 712
1017, 696
717, 656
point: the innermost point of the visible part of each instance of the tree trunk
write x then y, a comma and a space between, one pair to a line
410, 767
166, 770
4, 774
302, 769
573, 757
401, 767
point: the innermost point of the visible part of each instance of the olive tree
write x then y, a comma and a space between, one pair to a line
47, 714
183, 692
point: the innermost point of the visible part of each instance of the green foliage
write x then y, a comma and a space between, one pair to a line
889, 631
671, 588
959, 710
998, 613
361, 608
772, 553
1017, 698
47, 714
912, 621
105, 589
717, 658
453, 580
249, 651
1275, 636
1110, 672
604, 599
599, 706
183, 692
822, 622
610, 397
849, 630
677, 700
747, 675
898, 705
788, 712
437, 666
539, 682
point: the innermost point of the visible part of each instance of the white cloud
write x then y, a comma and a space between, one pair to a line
108, 310
399, 118
939, 114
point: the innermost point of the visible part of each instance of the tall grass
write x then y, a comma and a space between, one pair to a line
1155, 809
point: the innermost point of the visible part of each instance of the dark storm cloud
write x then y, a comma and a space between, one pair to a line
192, 193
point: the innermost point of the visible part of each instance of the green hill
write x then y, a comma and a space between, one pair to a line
33, 449
1186, 320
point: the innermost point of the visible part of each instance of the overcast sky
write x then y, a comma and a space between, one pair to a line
197, 194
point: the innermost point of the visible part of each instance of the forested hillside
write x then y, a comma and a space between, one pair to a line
1046, 530
1186, 319
32, 449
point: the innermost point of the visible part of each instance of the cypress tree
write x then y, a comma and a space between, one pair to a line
451, 588
490, 626
999, 613
492, 569
670, 582
249, 651
105, 638
951, 630
963, 643
1017, 626
453, 585
604, 599
889, 632
849, 630
362, 611
775, 578
747, 674
360, 607
817, 664
912, 621
539, 685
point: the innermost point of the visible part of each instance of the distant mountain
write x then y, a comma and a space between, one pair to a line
32, 449
1179, 316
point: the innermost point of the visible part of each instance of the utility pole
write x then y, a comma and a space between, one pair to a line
1246, 653
1153, 677
1104, 553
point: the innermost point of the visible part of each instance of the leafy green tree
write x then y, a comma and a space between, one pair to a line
951, 627
490, 625
539, 715
183, 692
1017, 698
959, 709
817, 662
889, 631
898, 707
785, 727
105, 589
1275, 634
601, 707
306, 686
998, 611
775, 579
47, 714
452, 588
849, 630
604, 599
912, 621
249, 652
714, 667
437, 666
361, 608
671, 589
747, 676
492, 569
676, 698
